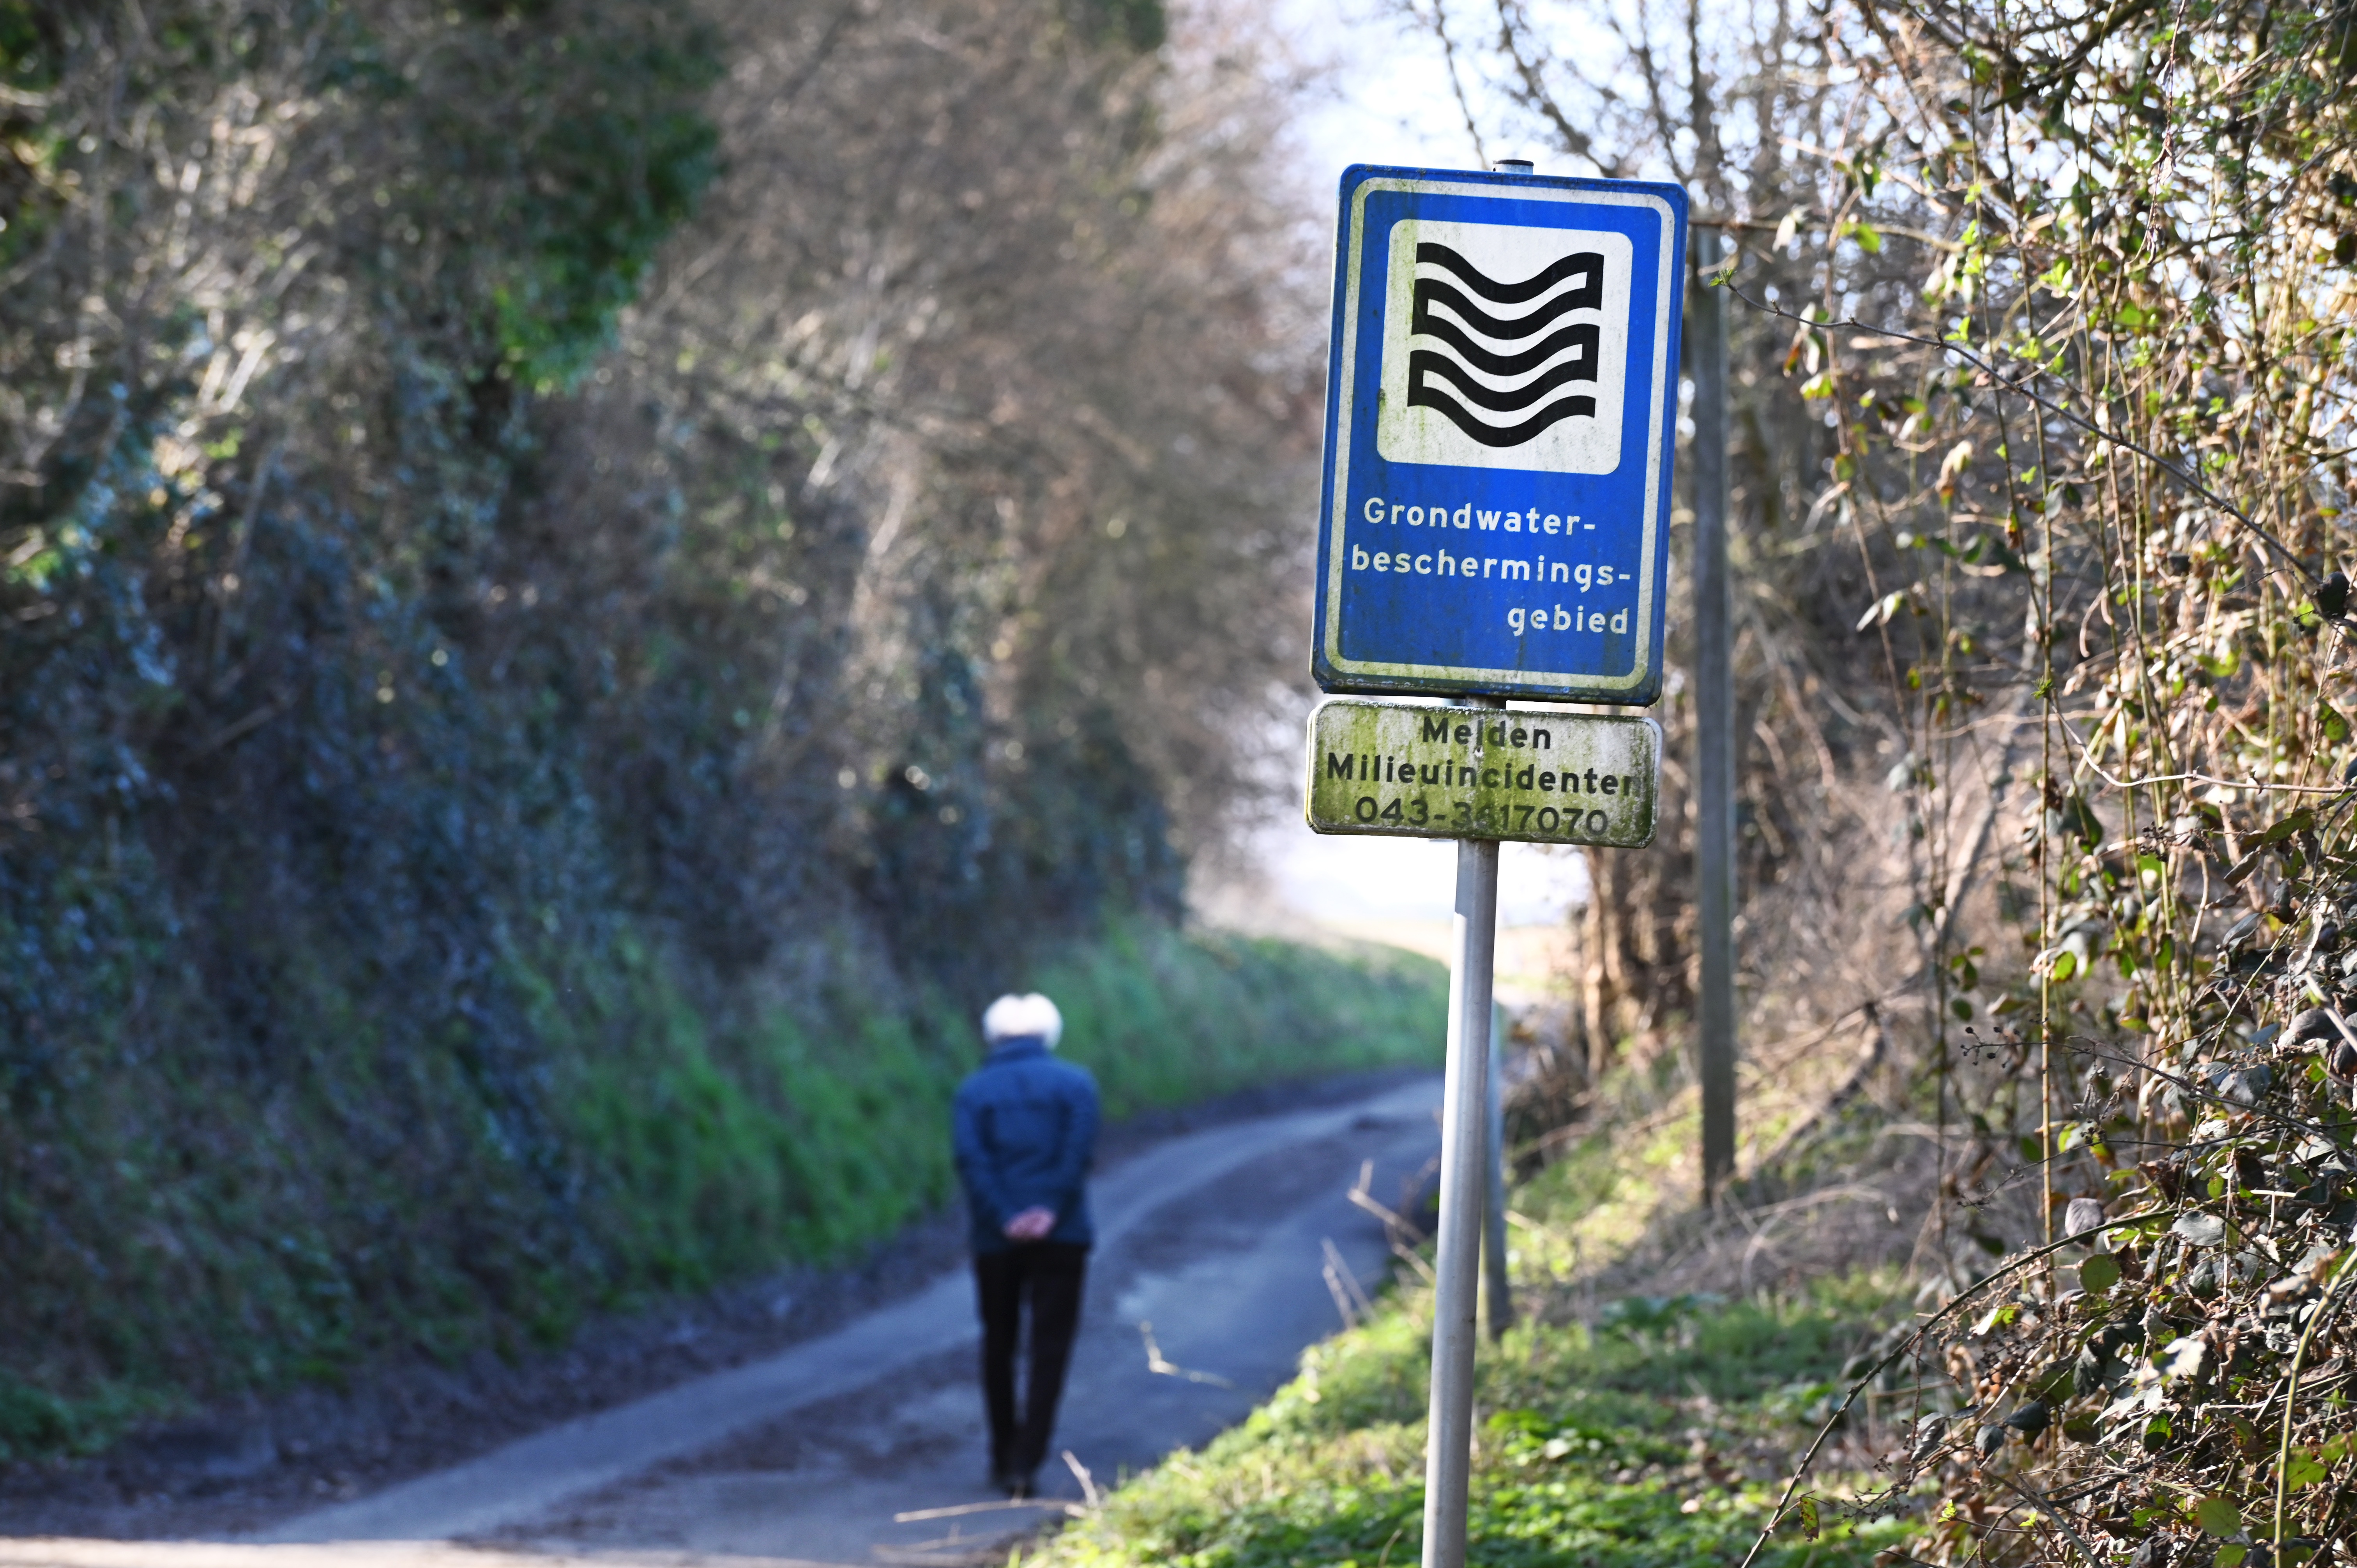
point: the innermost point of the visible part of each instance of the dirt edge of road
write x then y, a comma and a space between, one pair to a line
242, 1466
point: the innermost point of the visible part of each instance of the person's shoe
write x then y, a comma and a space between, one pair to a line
1005, 1481
1021, 1485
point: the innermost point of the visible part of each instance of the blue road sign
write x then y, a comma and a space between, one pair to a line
1500, 415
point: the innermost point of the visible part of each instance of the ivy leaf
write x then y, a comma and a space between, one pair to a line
2219, 1516
2202, 1230
2301, 1468
2284, 827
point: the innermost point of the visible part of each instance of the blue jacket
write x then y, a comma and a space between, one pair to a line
1026, 1133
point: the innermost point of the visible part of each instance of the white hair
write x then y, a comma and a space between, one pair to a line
1022, 1017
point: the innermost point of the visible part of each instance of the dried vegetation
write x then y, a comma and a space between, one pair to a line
2054, 303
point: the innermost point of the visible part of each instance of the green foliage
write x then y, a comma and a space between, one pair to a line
790, 1139
479, 837
34, 1422
2083, 370
583, 130
1142, 24
715, 1156
30, 198
1601, 1449
2174, 272
1161, 1019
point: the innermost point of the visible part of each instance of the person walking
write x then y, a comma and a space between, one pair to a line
1025, 1135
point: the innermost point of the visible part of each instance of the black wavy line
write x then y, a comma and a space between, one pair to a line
1589, 296
1581, 334
1512, 435
1514, 401
1433, 291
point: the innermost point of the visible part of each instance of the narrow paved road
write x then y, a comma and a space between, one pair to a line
1223, 1240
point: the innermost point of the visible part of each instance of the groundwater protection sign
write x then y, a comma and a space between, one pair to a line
1500, 413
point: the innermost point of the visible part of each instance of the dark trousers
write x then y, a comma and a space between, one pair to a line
1050, 1274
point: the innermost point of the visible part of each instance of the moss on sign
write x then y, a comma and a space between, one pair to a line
1483, 773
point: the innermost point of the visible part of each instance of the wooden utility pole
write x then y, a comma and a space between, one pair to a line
1714, 726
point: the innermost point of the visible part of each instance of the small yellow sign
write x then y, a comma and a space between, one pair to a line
1412, 772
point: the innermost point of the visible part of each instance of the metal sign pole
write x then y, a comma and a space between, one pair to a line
1464, 1184
1496, 1278
1714, 734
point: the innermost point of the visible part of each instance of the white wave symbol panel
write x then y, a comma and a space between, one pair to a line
1505, 348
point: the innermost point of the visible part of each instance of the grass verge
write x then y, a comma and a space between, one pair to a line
1656, 1439
1654, 1433
720, 1153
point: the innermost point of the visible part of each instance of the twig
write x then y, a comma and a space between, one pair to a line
2291, 1389
1155, 1363
2022, 390
239, 729
1909, 1344
917, 1516
1407, 1255
2045, 1509
1360, 1195
1342, 1303
2088, 761
1340, 1268
1088, 1483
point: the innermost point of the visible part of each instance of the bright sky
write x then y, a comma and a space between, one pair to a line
1415, 879
1388, 101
